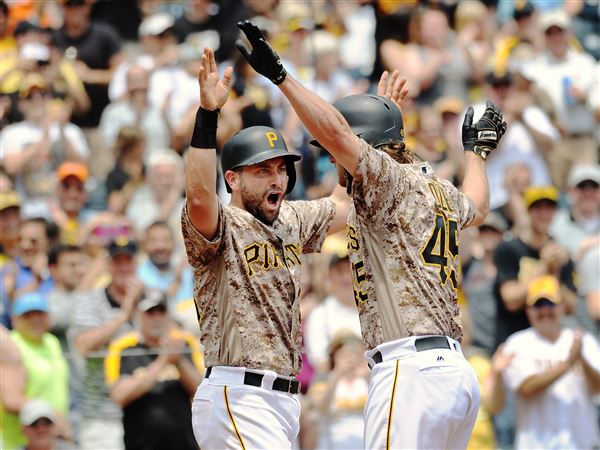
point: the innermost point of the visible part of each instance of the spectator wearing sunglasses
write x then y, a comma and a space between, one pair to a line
554, 372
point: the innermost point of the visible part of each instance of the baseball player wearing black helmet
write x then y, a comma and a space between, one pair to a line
255, 145
247, 258
403, 230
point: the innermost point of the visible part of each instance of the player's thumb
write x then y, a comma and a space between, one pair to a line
244, 50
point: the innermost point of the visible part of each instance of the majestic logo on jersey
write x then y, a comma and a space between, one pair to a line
272, 137
264, 256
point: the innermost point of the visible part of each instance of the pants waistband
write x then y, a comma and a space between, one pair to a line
402, 347
265, 379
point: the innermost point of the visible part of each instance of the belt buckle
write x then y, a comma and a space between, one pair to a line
293, 382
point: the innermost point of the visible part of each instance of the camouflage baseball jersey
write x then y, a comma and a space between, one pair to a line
247, 280
403, 244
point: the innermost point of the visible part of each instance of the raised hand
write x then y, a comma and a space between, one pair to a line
214, 91
392, 87
261, 57
482, 137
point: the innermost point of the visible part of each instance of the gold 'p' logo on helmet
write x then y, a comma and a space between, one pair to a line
272, 137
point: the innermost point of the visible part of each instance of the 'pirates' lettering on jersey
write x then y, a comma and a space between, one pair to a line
265, 256
247, 283
358, 267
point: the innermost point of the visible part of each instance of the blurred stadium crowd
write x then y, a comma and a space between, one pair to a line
97, 104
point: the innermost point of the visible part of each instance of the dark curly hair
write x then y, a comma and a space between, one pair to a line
399, 152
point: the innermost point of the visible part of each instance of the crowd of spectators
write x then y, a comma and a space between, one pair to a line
99, 333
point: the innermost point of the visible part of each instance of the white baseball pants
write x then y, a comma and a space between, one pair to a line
420, 399
227, 414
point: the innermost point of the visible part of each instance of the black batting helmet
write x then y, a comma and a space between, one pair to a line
374, 118
254, 145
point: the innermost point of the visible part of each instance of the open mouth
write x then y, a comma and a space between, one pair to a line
273, 199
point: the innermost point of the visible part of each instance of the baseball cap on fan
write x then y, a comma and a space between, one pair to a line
153, 298
30, 82
34, 410
32, 301
34, 51
555, 18
156, 24
523, 9
581, 173
9, 199
543, 290
494, 221
72, 169
122, 245
534, 194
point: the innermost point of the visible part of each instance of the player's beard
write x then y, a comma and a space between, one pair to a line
253, 203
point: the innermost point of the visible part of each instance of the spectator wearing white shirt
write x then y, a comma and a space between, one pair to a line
34, 148
578, 227
157, 44
554, 371
330, 81
135, 109
160, 197
568, 76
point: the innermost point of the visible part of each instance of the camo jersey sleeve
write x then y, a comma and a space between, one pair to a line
315, 218
200, 251
465, 208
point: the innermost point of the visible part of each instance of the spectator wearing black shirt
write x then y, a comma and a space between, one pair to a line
531, 254
128, 172
124, 15
96, 49
152, 374
207, 23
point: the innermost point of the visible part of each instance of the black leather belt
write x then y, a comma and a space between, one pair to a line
422, 344
255, 379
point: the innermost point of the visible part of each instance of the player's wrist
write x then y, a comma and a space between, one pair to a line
205, 128
279, 78
482, 151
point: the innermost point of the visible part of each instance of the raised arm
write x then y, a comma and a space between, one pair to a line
201, 159
479, 140
320, 118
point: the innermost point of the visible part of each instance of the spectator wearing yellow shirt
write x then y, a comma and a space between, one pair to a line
46, 372
152, 374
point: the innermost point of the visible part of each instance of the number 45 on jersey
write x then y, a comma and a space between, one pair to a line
441, 246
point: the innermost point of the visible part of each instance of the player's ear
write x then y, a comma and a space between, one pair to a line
233, 179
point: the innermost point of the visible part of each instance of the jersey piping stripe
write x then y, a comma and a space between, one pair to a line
389, 428
239, 436
112, 362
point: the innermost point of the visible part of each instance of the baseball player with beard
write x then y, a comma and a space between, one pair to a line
246, 258
403, 231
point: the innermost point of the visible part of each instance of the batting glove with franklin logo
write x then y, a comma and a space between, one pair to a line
262, 57
482, 137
